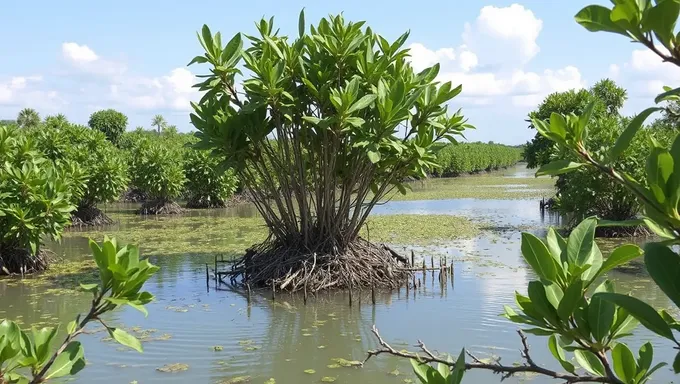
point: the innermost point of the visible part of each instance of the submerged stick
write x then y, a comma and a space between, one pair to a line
373, 294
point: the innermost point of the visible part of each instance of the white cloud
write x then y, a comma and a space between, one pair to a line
421, 57
86, 60
78, 53
645, 73
173, 91
18, 89
504, 36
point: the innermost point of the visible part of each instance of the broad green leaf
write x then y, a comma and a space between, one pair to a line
420, 369
598, 18
600, 317
558, 353
538, 256
557, 246
620, 256
373, 156
661, 19
456, 376
626, 137
676, 363
645, 314
572, 296
362, 103
663, 266
92, 288
558, 167
589, 362
69, 362
125, 338
581, 242
558, 125
669, 93
43, 339
537, 294
645, 356
624, 363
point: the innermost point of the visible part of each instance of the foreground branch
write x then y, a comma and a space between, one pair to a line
496, 367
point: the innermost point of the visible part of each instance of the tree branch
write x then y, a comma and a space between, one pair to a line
496, 367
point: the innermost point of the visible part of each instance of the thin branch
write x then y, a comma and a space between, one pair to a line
497, 368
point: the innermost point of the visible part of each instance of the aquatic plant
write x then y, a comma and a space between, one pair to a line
28, 357
559, 304
36, 200
313, 137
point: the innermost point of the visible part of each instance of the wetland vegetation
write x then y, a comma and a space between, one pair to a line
333, 142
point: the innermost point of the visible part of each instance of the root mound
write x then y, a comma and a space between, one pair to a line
89, 216
20, 261
293, 267
160, 207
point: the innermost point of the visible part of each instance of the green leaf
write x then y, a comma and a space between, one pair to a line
198, 59
623, 142
641, 311
539, 298
373, 156
558, 353
43, 339
68, 362
125, 338
598, 18
624, 363
661, 19
420, 369
572, 296
600, 317
207, 38
589, 362
538, 256
92, 288
620, 256
232, 51
663, 96
663, 266
557, 246
362, 103
558, 167
558, 125
645, 356
301, 23
456, 376
71, 327
676, 363
581, 242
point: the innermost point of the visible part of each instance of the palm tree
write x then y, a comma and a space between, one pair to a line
28, 117
56, 121
158, 122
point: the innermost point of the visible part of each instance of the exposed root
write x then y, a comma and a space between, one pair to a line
89, 216
15, 261
293, 268
622, 231
160, 207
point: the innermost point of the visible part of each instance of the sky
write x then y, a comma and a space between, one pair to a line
77, 57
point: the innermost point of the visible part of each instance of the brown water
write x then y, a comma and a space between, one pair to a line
284, 338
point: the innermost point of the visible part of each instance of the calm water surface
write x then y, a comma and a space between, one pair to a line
282, 339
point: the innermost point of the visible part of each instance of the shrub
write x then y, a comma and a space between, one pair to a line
456, 159
157, 171
208, 184
333, 110
102, 164
36, 199
109, 121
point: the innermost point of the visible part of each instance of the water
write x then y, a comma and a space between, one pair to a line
283, 339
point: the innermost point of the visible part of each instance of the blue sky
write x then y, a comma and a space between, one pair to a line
78, 57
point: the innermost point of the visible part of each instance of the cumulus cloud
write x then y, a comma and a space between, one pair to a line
18, 89
86, 60
504, 36
173, 91
645, 74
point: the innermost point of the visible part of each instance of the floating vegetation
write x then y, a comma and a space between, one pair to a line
270, 381
237, 380
218, 348
328, 379
346, 363
172, 368
309, 371
394, 373
418, 229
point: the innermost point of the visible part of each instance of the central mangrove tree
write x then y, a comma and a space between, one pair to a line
321, 129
